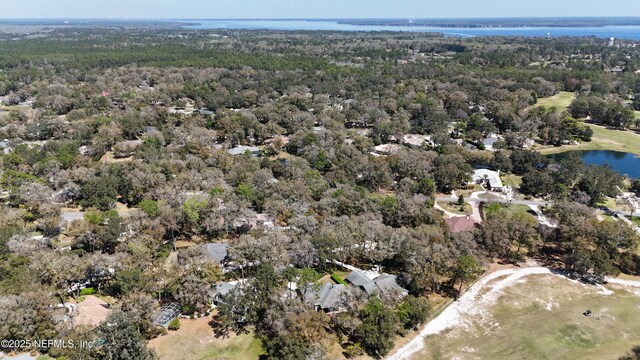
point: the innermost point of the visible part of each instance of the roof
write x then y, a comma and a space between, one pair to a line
384, 284
460, 224
327, 297
387, 285
416, 140
492, 176
92, 311
4, 144
388, 148
216, 251
357, 278
239, 150
224, 288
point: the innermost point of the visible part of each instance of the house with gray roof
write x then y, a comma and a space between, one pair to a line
241, 149
217, 252
221, 290
327, 298
384, 285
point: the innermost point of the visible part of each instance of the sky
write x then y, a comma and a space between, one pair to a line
219, 9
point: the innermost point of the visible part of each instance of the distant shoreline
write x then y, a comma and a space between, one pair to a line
454, 23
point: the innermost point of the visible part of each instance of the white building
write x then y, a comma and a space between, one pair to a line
488, 177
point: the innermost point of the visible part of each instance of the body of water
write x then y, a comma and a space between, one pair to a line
623, 163
620, 32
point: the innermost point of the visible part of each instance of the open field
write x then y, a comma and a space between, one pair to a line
195, 341
454, 208
560, 101
540, 317
511, 180
603, 139
616, 204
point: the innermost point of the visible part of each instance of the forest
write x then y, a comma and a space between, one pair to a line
127, 152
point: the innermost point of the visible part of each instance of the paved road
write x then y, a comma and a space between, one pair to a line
503, 201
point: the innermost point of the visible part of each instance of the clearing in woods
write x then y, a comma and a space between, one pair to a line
195, 341
541, 317
560, 101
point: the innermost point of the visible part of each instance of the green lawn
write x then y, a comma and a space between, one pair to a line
512, 180
615, 204
634, 220
603, 139
195, 341
504, 210
457, 209
542, 318
560, 101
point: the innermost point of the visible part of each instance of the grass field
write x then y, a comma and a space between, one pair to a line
195, 341
512, 180
465, 209
603, 139
541, 318
560, 101
616, 204
504, 210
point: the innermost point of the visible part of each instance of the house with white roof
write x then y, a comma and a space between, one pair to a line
488, 178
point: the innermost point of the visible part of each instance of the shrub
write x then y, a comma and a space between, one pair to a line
174, 324
338, 279
353, 351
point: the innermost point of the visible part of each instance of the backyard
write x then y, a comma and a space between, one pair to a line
541, 317
195, 340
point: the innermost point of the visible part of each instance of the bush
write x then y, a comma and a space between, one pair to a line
353, 351
338, 279
87, 291
174, 324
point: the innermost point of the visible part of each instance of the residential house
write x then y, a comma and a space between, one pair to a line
490, 142
386, 149
216, 252
415, 140
384, 285
460, 224
241, 149
327, 298
221, 290
488, 178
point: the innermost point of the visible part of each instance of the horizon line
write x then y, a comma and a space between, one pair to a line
326, 18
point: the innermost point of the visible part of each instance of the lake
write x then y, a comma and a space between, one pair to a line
623, 163
620, 32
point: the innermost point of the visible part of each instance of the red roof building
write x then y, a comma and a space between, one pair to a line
460, 224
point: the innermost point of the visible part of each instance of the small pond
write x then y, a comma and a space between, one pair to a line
622, 162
